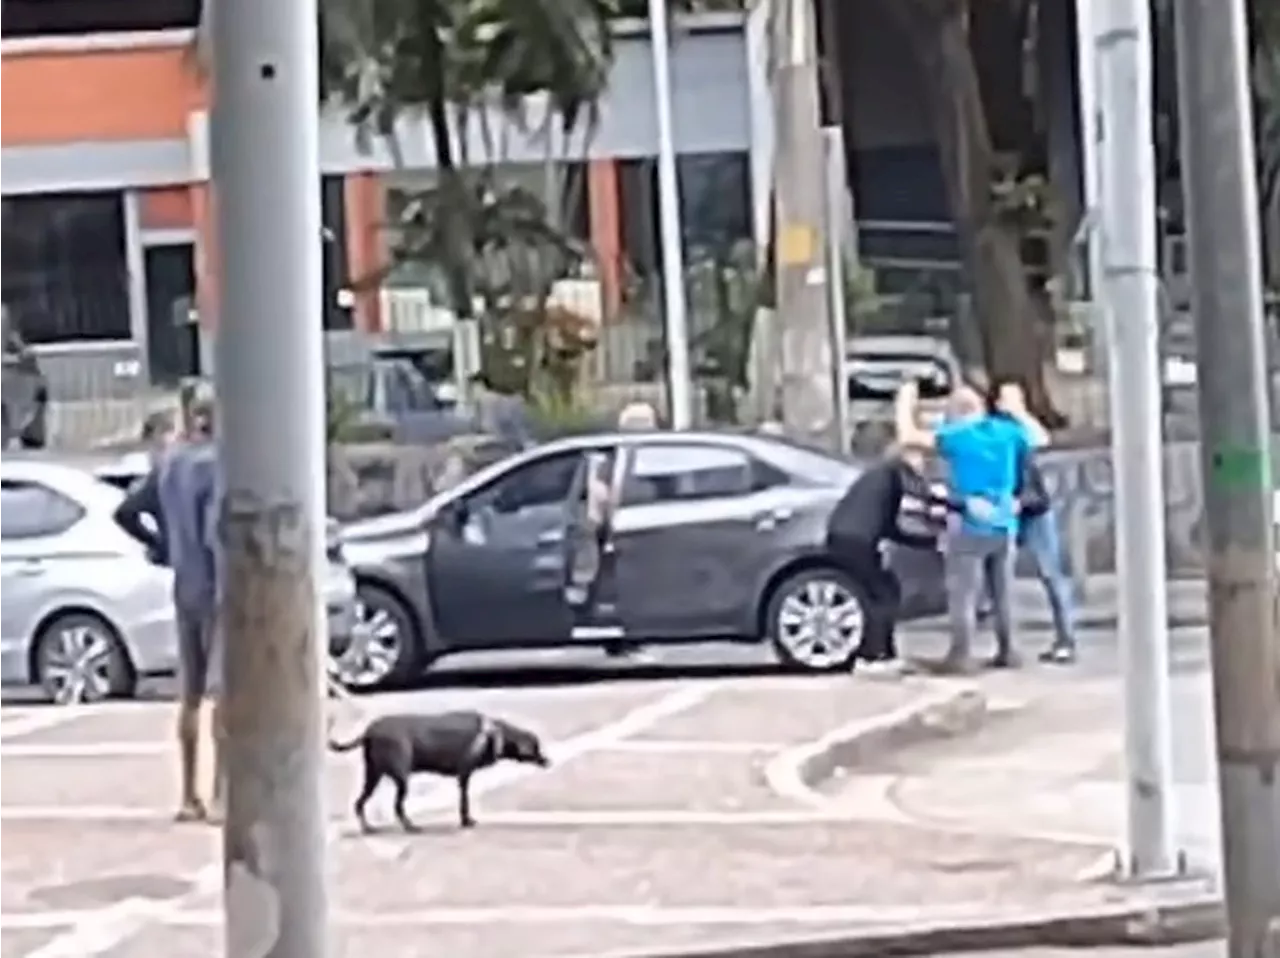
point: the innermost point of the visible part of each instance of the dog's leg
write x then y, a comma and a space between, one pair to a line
402, 795
464, 802
371, 779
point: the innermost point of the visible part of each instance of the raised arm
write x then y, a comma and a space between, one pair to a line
908, 430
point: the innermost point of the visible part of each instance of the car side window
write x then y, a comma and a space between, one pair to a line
543, 482
683, 472
29, 510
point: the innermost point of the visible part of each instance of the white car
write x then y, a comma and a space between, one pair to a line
85, 614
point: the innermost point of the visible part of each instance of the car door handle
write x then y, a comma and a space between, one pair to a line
552, 538
772, 518
29, 567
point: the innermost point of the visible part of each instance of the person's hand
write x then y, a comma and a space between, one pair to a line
1012, 399
909, 391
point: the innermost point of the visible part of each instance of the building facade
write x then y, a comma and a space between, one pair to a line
108, 209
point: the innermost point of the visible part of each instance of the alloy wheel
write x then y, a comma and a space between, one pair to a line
820, 623
78, 662
374, 651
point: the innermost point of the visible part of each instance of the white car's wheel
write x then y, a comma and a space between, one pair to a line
79, 657
384, 644
816, 620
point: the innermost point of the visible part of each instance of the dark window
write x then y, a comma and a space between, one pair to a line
37, 18
543, 482
684, 472
63, 266
334, 264
880, 376
715, 205
29, 510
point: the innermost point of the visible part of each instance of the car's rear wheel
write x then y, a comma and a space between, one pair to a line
385, 649
816, 620
80, 657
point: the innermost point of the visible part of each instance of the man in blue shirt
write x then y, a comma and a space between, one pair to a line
983, 454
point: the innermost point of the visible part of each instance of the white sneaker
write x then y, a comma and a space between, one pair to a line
883, 668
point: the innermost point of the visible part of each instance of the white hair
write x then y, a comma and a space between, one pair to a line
638, 416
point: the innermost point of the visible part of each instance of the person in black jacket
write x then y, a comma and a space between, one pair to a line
892, 501
140, 514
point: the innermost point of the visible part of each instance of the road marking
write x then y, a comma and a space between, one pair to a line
42, 720
645, 915
104, 929
651, 916
661, 746
549, 818
126, 749
55, 750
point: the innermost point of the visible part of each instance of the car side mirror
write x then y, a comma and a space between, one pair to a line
452, 518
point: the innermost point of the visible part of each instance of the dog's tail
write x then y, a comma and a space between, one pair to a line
337, 746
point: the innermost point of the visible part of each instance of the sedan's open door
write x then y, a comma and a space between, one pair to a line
591, 587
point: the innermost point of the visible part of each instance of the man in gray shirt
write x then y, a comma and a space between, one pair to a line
189, 493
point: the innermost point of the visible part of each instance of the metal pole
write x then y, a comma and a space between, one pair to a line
1087, 90
837, 210
1131, 287
801, 248
270, 384
680, 381
1226, 273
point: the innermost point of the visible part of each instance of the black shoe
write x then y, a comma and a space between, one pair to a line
1005, 660
1059, 654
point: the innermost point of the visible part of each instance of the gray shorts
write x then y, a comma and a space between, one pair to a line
199, 655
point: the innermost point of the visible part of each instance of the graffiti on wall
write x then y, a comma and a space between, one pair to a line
1082, 482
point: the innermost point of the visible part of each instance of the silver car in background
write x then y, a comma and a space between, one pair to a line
85, 613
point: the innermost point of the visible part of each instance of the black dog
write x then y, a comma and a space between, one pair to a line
456, 744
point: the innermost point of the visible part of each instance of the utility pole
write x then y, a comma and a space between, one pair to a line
679, 377
270, 386
1226, 273
1131, 296
839, 226
808, 408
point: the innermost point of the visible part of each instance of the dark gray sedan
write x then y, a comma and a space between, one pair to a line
617, 538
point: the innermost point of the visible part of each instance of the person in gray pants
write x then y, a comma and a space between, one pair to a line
983, 454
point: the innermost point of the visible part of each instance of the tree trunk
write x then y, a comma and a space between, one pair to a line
1004, 309
457, 269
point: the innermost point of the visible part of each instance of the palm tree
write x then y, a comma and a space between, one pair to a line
447, 60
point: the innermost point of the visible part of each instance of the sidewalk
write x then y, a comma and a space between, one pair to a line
1048, 763
1188, 605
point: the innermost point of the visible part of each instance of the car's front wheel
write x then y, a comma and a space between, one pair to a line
816, 620
384, 649
79, 657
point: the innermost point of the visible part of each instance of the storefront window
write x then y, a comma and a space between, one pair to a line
63, 266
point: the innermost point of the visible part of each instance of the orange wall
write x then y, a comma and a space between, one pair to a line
143, 94
604, 205
366, 199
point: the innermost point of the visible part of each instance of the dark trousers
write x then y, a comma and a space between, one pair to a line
880, 591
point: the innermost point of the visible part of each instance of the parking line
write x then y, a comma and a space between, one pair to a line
99, 932
142, 749
37, 721
514, 818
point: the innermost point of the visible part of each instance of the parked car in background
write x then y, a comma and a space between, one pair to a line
85, 613
877, 366
25, 406
390, 393
713, 537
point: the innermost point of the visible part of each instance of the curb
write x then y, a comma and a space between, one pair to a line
1156, 921
957, 711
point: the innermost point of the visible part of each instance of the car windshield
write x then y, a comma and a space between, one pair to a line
880, 375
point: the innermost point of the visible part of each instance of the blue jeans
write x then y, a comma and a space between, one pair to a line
1039, 536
